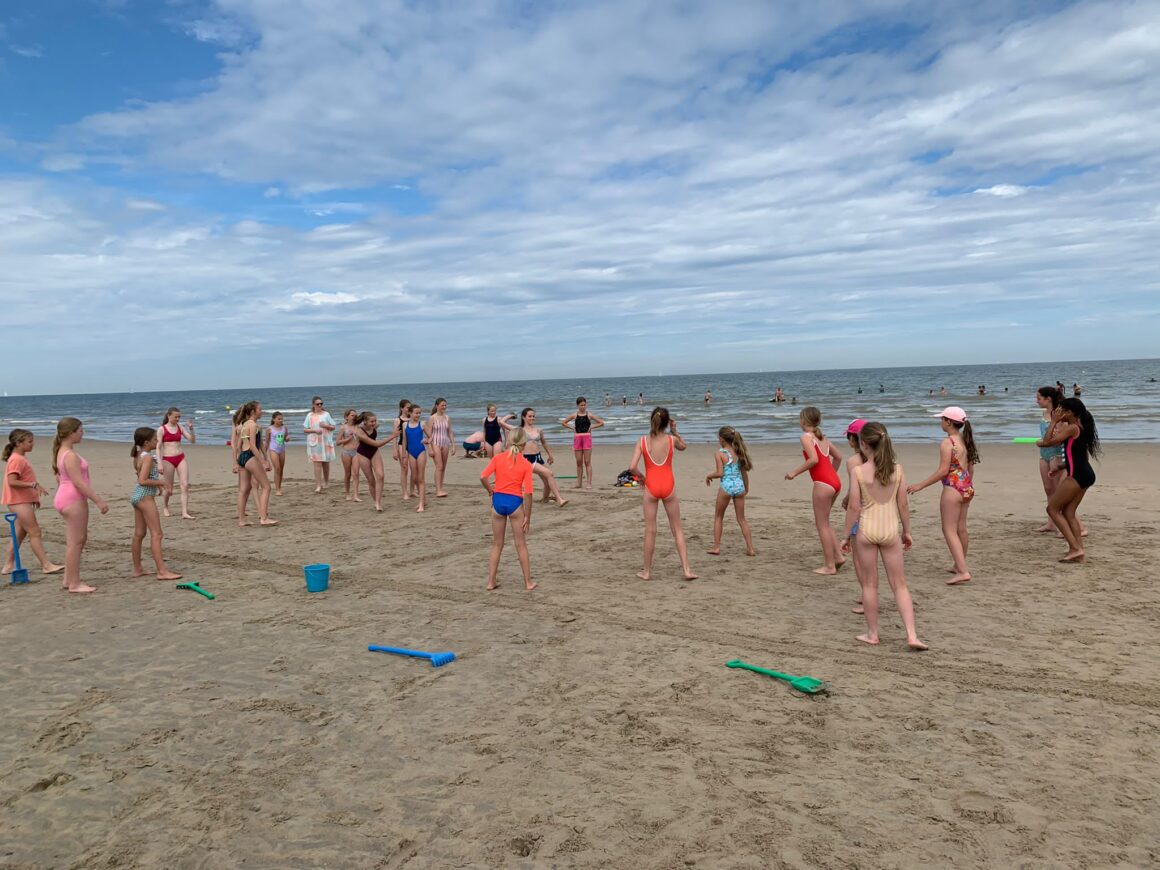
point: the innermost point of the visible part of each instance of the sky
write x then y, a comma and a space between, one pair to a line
214, 193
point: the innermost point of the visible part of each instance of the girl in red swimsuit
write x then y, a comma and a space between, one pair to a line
822, 461
660, 487
173, 459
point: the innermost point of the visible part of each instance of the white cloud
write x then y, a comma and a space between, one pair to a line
31, 51
1004, 190
589, 170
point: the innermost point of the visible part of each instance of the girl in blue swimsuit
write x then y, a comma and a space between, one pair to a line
415, 442
733, 466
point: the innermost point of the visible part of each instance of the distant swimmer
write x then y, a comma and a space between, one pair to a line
778, 395
859, 391
982, 389
640, 398
709, 397
1077, 390
607, 400
1151, 380
943, 392
624, 401
881, 388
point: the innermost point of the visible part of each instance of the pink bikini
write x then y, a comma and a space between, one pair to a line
66, 493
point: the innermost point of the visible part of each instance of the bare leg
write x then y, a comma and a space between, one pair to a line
183, 477
28, 526
587, 467
739, 510
404, 459
347, 464
823, 499
439, 455
896, 575
650, 534
377, 479
517, 520
317, 475
76, 535
262, 484
867, 556
325, 474
167, 472
579, 454
277, 460
1072, 517
148, 510
719, 506
138, 537
673, 511
498, 530
244, 487
1050, 482
1064, 494
419, 479
859, 568
951, 509
550, 485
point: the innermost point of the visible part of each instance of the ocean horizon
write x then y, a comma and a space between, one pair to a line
1122, 395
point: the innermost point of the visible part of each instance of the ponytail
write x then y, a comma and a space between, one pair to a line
658, 420
737, 444
877, 440
141, 436
811, 418
435, 407
517, 438
1087, 424
67, 426
14, 438
969, 441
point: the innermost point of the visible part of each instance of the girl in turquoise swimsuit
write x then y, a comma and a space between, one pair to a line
733, 467
146, 520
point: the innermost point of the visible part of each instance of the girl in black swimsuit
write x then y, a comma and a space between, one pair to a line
400, 450
1076, 431
366, 432
493, 430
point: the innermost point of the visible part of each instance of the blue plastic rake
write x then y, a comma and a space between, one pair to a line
437, 660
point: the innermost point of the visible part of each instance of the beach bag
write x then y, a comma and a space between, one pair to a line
627, 478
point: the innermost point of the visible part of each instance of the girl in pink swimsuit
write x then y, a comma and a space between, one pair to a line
441, 440
822, 461
660, 487
72, 498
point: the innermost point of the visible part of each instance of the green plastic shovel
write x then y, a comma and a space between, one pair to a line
196, 589
1024, 440
809, 685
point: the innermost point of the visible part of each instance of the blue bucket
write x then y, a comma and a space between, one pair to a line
317, 578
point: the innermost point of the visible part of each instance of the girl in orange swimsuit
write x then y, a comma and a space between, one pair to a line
822, 461
660, 487
957, 459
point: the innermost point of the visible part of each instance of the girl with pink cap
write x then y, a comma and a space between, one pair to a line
957, 460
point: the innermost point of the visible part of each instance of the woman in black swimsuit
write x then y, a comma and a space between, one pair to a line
493, 427
1076, 431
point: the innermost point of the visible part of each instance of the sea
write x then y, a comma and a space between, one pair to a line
1123, 396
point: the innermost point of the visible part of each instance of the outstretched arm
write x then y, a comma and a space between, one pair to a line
944, 466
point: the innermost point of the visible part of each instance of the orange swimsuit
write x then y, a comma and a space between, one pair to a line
658, 476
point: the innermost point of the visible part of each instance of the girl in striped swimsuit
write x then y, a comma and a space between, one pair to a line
880, 505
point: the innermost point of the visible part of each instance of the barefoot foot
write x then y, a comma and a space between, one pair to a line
82, 589
871, 639
140, 572
170, 575
716, 551
689, 575
491, 587
51, 568
859, 609
965, 577
750, 552
1073, 557
826, 571
192, 517
917, 645
268, 522
644, 575
528, 588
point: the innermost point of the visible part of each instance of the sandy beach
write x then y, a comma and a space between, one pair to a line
591, 723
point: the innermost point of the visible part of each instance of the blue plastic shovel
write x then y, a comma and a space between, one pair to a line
19, 574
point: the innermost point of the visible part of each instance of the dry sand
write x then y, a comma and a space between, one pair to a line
591, 723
